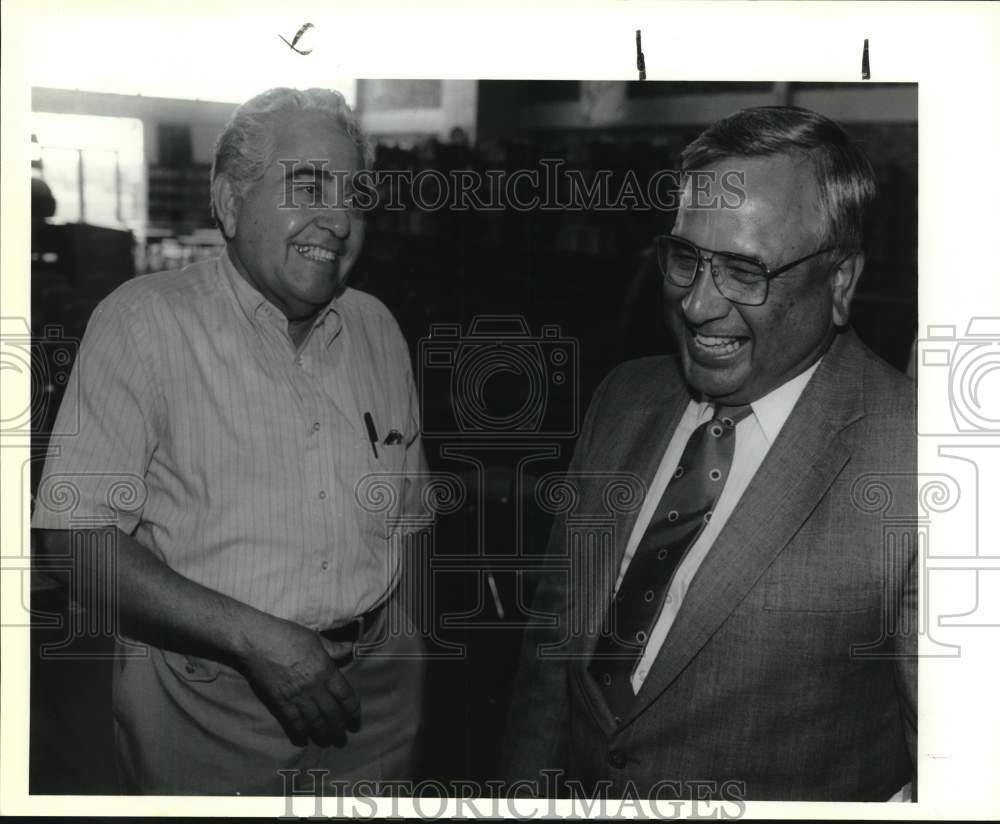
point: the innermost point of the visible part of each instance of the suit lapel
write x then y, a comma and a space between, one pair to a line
801, 465
637, 444
645, 451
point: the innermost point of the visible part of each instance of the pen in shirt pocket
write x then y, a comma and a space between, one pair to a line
372, 433
394, 437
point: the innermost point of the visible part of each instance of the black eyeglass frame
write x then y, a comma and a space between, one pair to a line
708, 256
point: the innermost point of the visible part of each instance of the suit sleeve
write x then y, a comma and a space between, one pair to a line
906, 654
537, 731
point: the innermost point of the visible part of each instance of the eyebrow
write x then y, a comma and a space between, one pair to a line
731, 252
309, 171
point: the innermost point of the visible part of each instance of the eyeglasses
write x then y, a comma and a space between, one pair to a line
741, 279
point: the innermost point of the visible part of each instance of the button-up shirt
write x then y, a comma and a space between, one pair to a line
754, 436
192, 422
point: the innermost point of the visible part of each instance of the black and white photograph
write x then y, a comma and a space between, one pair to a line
606, 436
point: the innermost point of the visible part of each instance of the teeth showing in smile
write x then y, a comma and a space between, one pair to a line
317, 253
718, 345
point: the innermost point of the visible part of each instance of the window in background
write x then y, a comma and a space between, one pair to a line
94, 167
391, 95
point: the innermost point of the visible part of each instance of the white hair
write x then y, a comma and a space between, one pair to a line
246, 147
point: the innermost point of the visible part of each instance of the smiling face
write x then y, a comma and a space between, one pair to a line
288, 233
736, 354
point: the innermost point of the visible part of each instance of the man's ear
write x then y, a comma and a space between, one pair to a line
843, 282
226, 203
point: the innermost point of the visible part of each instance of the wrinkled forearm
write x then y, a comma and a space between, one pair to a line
152, 602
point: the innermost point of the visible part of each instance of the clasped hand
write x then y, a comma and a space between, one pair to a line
294, 671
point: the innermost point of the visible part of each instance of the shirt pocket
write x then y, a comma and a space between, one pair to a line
381, 492
387, 459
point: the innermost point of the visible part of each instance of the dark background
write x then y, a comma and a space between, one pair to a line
588, 273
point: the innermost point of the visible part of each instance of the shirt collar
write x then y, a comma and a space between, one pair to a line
773, 409
257, 308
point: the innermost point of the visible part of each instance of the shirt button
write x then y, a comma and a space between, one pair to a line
316, 427
325, 565
189, 668
617, 759
322, 494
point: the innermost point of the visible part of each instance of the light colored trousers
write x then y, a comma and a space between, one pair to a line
189, 726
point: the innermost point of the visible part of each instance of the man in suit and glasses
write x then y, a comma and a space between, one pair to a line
756, 630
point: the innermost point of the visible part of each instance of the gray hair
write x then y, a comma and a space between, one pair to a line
843, 173
246, 147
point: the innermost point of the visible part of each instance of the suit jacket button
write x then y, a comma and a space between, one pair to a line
617, 759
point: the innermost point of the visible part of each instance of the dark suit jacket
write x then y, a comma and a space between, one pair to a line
790, 667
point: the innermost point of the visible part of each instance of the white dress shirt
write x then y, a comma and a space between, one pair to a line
241, 456
754, 436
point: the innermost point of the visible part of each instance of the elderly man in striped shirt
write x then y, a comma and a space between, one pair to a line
240, 402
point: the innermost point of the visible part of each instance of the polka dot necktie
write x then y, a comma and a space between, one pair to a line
684, 509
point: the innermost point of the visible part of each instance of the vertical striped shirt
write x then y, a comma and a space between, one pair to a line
192, 422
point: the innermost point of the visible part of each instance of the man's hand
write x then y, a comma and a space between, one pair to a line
293, 669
